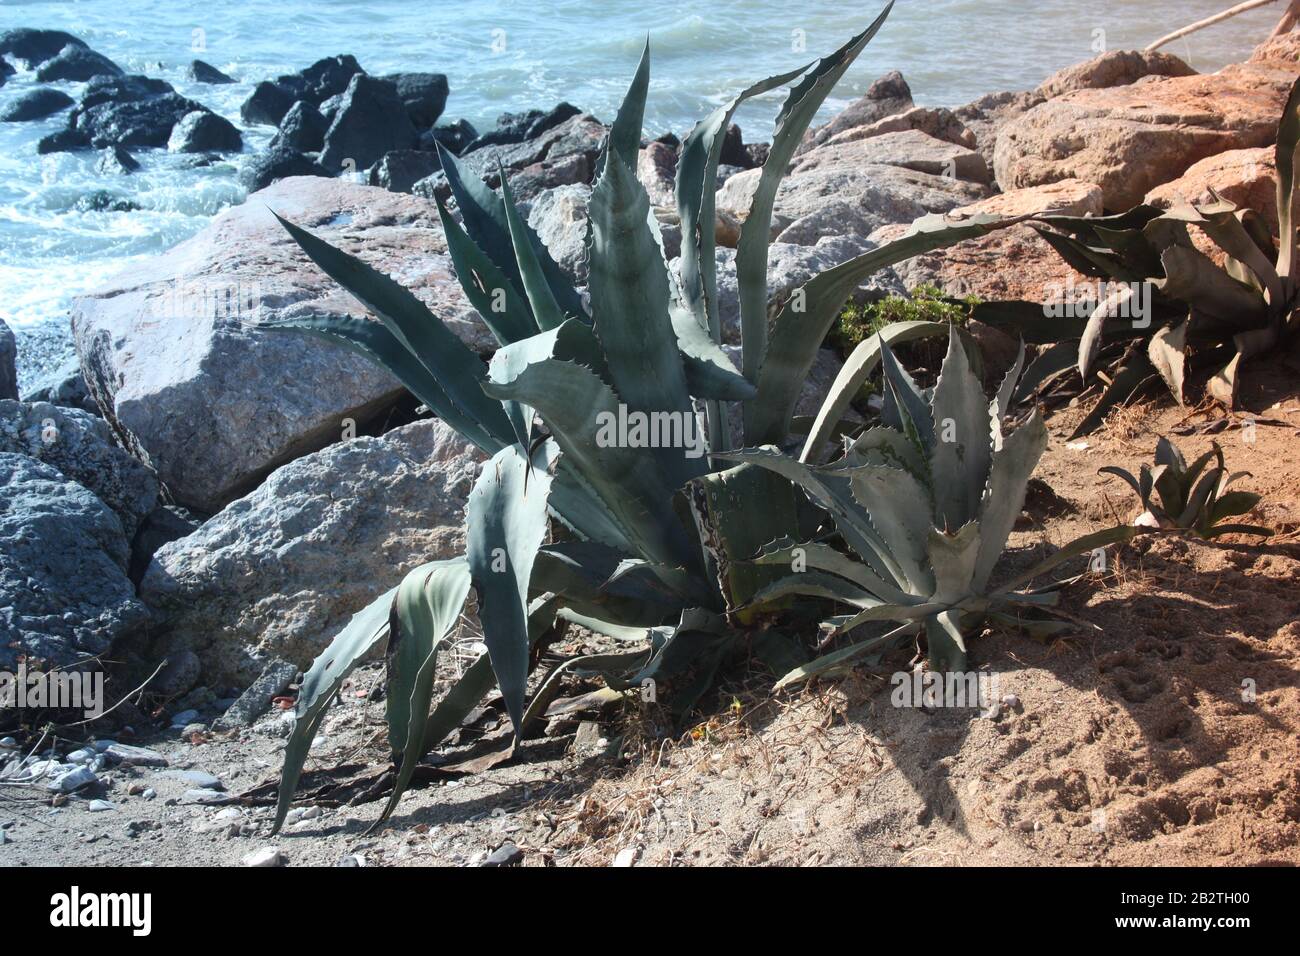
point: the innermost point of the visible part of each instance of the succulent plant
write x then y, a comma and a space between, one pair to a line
924, 504
1191, 498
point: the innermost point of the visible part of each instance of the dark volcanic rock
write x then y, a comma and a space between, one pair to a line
423, 94
371, 121
561, 155
35, 105
520, 127
201, 72
453, 137
62, 141
401, 169
733, 149
34, 47
204, 132
122, 89
78, 64
116, 160
147, 121
101, 200
267, 104
271, 99
8, 363
280, 162
302, 128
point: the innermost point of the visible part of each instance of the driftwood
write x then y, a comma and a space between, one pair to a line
1284, 25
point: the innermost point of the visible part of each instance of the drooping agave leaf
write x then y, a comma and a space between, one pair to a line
1167, 351
818, 584
1090, 342
1009, 476
1233, 503
582, 571
1288, 142
376, 343
322, 681
805, 99
709, 372
857, 368
505, 525
1036, 323
846, 655
1193, 277
822, 557
618, 663
693, 649
1050, 362
425, 609
959, 458
1220, 222
505, 312
1078, 255
484, 215
1083, 545
802, 322
457, 369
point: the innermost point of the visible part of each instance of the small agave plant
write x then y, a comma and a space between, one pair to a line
925, 503
1191, 499
658, 536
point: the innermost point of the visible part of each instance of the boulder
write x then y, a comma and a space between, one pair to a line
656, 167
453, 137
567, 150
82, 448
1069, 197
171, 351
370, 122
1113, 68
939, 123
267, 104
200, 72
33, 47
271, 99
204, 132
122, 111
1130, 139
733, 152
1247, 177
559, 217
64, 593
886, 96
911, 149
986, 116
302, 129
63, 385
279, 162
515, 128
277, 573
8, 362
423, 94
77, 63
116, 161
37, 104
401, 169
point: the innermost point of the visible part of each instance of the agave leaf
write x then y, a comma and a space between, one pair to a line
1221, 223
1005, 397
1198, 499
1034, 627
962, 449
1288, 142
484, 215
823, 557
1167, 351
322, 681
901, 511
1192, 277
614, 664
619, 632
905, 408
857, 368
583, 572
816, 584
1082, 257
426, 608
541, 298
1050, 362
1090, 341
1126, 476
887, 448
1217, 530
1083, 545
625, 133
1009, 476
846, 655
912, 610
805, 99
505, 522
1233, 503
953, 557
1223, 384
709, 372
1128, 381
947, 645
505, 312
456, 368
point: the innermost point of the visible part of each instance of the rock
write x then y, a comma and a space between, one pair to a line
939, 123
200, 796
279, 571
910, 149
124, 111
453, 137
73, 780
423, 94
128, 756
626, 856
63, 385
758, 153
1068, 197
64, 594
164, 524
179, 675
370, 122
101, 200
267, 856
76, 63
505, 855
1247, 177
99, 806
1113, 68
279, 162
116, 161
514, 128
737, 194
33, 47
656, 167
170, 349
733, 148
271, 99
266, 105
1130, 139
886, 96
204, 132
122, 89
37, 104
302, 129
201, 72
82, 448
559, 216
183, 717
560, 155
254, 702
986, 116
197, 779
401, 169
8, 363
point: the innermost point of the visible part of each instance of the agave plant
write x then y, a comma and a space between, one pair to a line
593, 417
1190, 498
925, 503
1199, 313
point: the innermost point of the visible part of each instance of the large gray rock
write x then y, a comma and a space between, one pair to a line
559, 155
986, 116
81, 447
171, 352
8, 362
278, 572
908, 148
204, 132
886, 96
64, 593
39, 103
370, 122
559, 216
76, 63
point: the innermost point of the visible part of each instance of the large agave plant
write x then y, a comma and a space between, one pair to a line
1200, 313
659, 532
925, 503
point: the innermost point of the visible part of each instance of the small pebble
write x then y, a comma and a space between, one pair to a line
505, 855
267, 856
99, 806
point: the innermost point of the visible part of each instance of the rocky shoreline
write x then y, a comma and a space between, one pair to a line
198, 490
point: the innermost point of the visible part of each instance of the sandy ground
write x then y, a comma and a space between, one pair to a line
1164, 733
